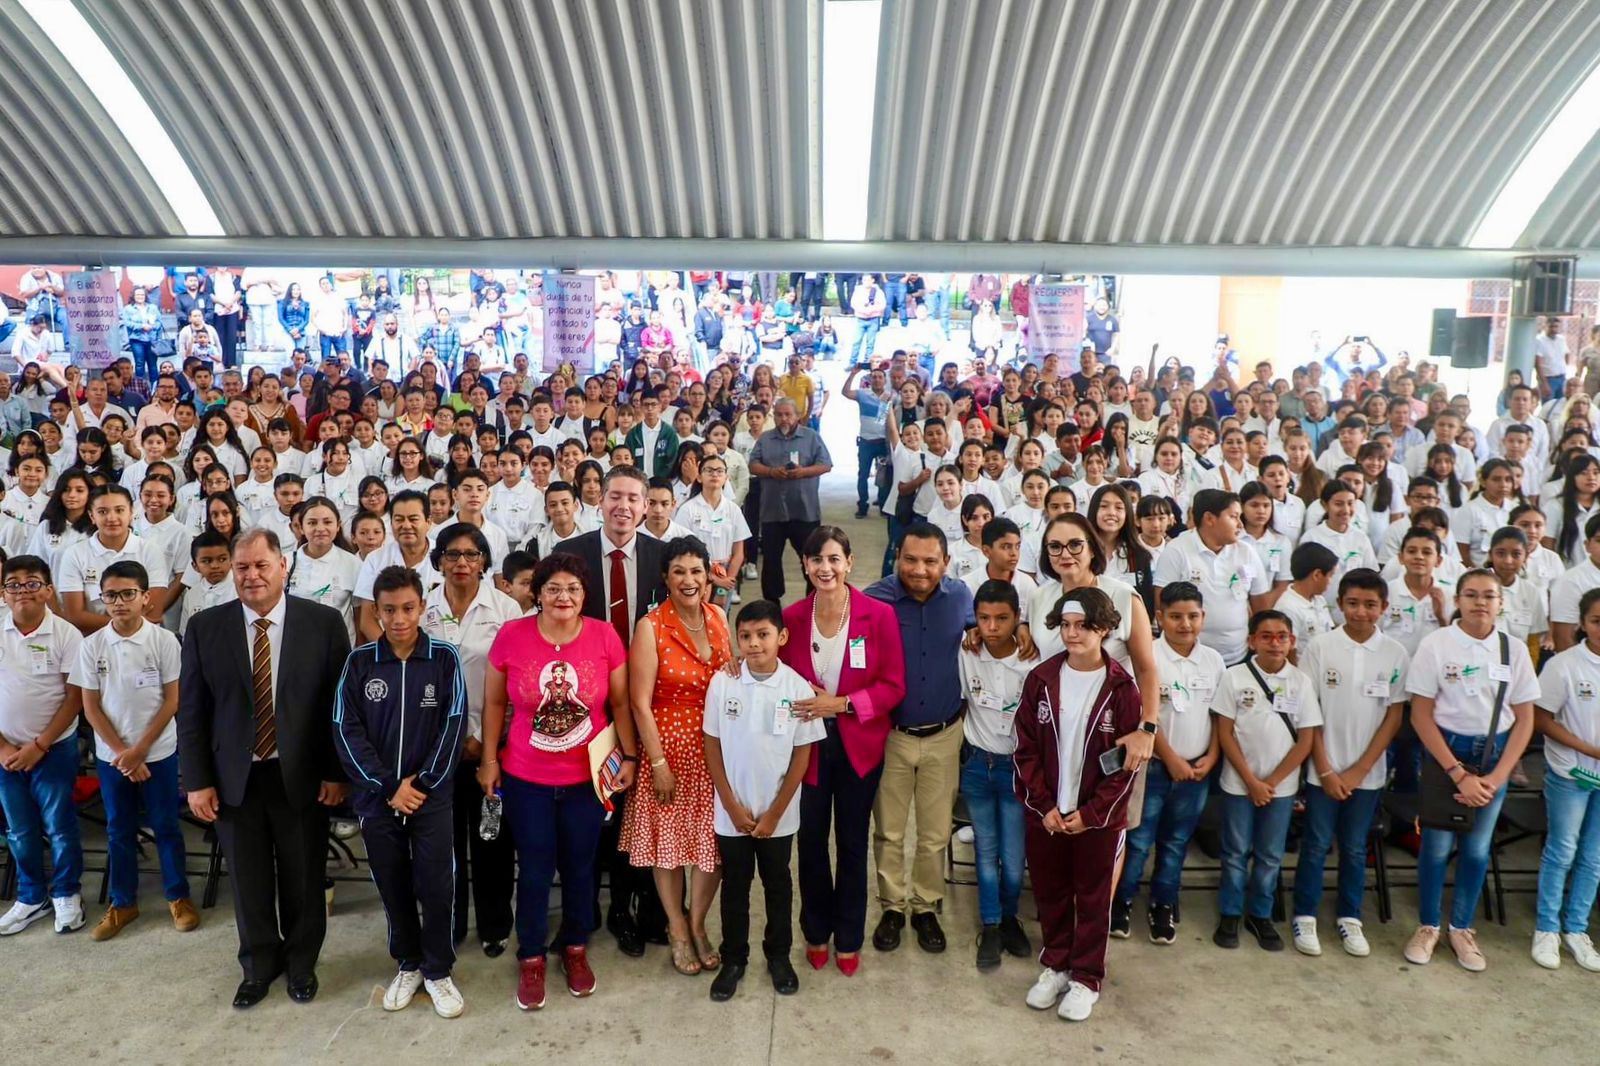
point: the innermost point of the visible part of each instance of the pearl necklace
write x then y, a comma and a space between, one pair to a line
816, 628
694, 629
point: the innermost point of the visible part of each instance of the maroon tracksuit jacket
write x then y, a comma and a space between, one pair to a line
1073, 874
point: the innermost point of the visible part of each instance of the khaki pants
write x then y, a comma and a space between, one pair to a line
924, 771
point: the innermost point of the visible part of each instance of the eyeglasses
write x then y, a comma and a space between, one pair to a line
17, 588
561, 590
1071, 547
408, 454
119, 595
454, 556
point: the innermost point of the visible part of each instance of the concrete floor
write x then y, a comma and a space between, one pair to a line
154, 995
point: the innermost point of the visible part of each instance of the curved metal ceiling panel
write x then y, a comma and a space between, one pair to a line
1312, 122
65, 168
1570, 216
487, 118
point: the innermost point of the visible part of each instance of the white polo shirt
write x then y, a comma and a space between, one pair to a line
472, 634
1355, 684
992, 688
1567, 591
330, 580
1309, 618
1477, 522
754, 721
518, 511
1409, 618
719, 527
1258, 724
1226, 579
1289, 517
1553, 524
1188, 686
34, 669
80, 567
1522, 609
1461, 674
201, 596
1025, 586
255, 498
129, 673
390, 555
1569, 689
51, 546
1274, 550
1353, 548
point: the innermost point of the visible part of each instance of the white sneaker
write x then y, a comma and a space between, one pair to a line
964, 835
749, 573
1581, 948
69, 912
1354, 940
401, 989
735, 599
1047, 989
1305, 936
1077, 1003
20, 916
1547, 950
447, 1001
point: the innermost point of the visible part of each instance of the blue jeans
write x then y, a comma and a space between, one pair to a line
866, 452
555, 828
161, 800
1328, 820
331, 344
1171, 811
866, 339
938, 303
986, 784
894, 301
1251, 832
827, 348
1472, 860
145, 363
1573, 839
38, 803
1558, 385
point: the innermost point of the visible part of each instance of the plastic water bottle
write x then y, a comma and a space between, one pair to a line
489, 823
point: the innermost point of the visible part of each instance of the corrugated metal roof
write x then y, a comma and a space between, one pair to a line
65, 168
1570, 216
1301, 122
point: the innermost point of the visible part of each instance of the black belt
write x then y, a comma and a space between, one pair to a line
928, 730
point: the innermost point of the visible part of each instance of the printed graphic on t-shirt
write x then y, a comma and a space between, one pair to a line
561, 721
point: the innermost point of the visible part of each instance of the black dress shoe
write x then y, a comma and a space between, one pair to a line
1014, 939
1227, 934
784, 980
930, 937
727, 982
989, 947
303, 989
250, 993
622, 927
887, 936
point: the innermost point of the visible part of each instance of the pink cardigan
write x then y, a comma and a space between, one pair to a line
875, 691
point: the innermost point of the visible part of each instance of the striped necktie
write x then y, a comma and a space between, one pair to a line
261, 676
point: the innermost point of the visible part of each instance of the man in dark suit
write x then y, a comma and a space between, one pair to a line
624, 581
255, 740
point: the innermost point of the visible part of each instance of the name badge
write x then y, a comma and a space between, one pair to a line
990, 701
1380, 689
1289, 705
1499, 672
782, 718
858, 653
147, 679
1008, 719
39, 660
794, 457
1203, 689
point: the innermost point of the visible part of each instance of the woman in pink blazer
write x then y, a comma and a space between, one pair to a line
848, 647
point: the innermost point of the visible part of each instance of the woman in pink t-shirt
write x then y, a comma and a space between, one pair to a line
558, 671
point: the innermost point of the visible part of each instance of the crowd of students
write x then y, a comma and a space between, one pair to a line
1105, 599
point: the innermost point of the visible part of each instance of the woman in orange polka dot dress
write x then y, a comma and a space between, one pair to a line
668, 824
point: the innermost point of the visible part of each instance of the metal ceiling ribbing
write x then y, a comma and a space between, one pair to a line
485, 118
1570, 215
1216, 122
65, 168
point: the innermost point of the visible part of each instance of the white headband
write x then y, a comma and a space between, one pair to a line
1072, 607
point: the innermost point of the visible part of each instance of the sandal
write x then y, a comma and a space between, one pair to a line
683, 958
709, 959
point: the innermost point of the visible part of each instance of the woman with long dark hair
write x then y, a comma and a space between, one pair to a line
65, 520
1567, 517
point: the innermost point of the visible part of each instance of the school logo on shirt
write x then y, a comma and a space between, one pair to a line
377, 689
731, 708
1043, 712
101, 667
1331, 678
1165, 693
1247, 699
1195, 575
1585, 690
428, 698
1452, 671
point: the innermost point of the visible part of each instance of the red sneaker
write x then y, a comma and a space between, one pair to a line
580, 978
530, 983
817, 957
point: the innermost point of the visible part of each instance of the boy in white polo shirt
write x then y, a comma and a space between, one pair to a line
1227, 572
757, 750
1266, 712
80, 566
1359, 677
38, 748
128, 671
1569, 588
1305, 600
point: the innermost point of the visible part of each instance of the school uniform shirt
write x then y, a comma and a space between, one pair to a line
947, 519
1188, 687
1355, 684
1115, 645
1309, 618
343, 489
291, 461
129, 673
255, 498
373, 459
720, 527
757, 729
436, 446
276, 521
19, 517
1568, 590
1466, 462
330, 580
1360, 518
51, 546
927, 499
1025, 585
1274, 550
1258, 721
391, 555
80, 567
499, 542
1030, 523
1408, 618
1080, 689
989, 489
1461, 674
200, 595
1394, 536
1542, 568
517, 510
1478, 521
1553, 523
1522, 610
1084, 492
1352, 547
1333, 458
1225, 477
1176, 487
1289, 519
1226, 579
1569, 688
992, 688
472, 634
397, 485
966, 559
33, 675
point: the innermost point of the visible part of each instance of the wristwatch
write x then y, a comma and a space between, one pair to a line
849, 705
629, 758
1148, 727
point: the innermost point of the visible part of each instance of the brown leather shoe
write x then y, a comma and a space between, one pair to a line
185, 919
112, 922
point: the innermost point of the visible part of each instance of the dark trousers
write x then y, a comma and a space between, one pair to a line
556, 828
774, 535
492, 864
633, 888
1072, 889
811, 295
741, 857
867, 451
277, 855
228, 336
413, 864
833, 903
752, 518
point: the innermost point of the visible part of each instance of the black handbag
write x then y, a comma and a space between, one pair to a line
1437, 806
